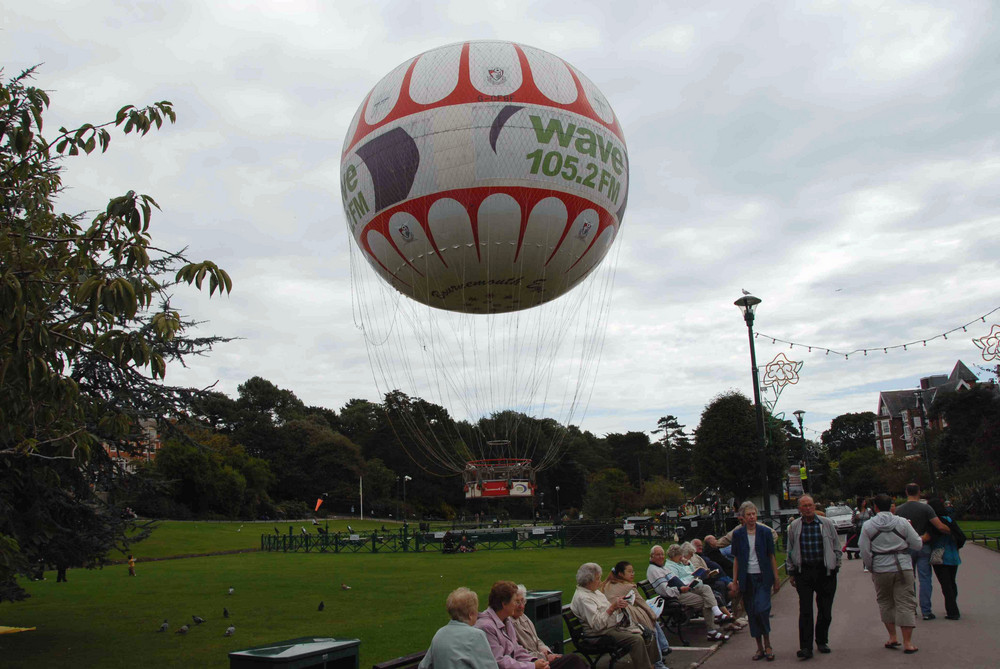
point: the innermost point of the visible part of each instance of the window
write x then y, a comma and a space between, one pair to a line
885, 427
887, 446
916, 421
906, 432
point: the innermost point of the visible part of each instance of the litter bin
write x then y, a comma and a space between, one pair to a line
544, 608
306, 651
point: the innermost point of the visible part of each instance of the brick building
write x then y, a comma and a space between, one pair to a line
144, 449
901, 414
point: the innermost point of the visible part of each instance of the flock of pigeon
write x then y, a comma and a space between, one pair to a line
198, 620
231, 630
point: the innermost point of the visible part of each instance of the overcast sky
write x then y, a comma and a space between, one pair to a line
839, 160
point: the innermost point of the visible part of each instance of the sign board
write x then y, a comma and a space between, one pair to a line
794, 482
629, 526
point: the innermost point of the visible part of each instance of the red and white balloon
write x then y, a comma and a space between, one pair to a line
484, 177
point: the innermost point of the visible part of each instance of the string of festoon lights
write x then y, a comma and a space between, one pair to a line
987, 343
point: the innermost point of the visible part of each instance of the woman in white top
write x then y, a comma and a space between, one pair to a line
755, 570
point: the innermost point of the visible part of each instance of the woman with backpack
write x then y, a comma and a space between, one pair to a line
945, 559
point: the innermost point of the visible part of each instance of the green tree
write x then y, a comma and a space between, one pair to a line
971, 438
263, 408
309, 459
379, 479
633, 453
608, 494
662, 493
677, 449
849, 432
86, 331
898, 470
861, 472
208, 474
726, 448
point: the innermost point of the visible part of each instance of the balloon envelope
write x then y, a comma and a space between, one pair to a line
484, 177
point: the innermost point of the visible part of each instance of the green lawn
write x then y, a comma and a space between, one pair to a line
103, 618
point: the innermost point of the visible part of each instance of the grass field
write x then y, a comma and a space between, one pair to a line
104, 618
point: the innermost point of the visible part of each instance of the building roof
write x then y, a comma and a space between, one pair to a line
963, 373
898, 401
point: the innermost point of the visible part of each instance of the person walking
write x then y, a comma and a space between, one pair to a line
755, 571
812, 562
945, 560
887, 543
923, 518
131, 565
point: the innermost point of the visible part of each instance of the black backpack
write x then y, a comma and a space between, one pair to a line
957, 535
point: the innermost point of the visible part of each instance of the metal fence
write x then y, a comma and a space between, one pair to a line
422, 540
989, 538
404, 541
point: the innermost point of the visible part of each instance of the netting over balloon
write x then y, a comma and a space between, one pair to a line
482, 182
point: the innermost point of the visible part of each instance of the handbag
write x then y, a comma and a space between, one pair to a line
937, 556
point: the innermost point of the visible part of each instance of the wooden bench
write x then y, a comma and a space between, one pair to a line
675, 616
591, 648
404, 662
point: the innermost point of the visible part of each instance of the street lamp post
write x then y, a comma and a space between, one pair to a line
748, 304
558, 506
805, 453
405, 479
919, 395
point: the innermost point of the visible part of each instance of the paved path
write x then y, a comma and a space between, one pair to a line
857, 634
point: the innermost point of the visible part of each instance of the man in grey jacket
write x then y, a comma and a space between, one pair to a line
885, 543
812, 562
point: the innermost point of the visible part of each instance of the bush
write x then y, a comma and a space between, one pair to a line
977, 500
293, 509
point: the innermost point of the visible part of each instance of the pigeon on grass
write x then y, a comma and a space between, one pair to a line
183, 629
230, 631
164, 627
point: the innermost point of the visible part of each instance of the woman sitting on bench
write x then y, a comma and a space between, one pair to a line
459, 645
621, 583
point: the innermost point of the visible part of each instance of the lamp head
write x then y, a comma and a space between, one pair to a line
799, 414
748, 305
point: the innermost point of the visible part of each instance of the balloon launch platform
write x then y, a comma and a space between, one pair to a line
499, 477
